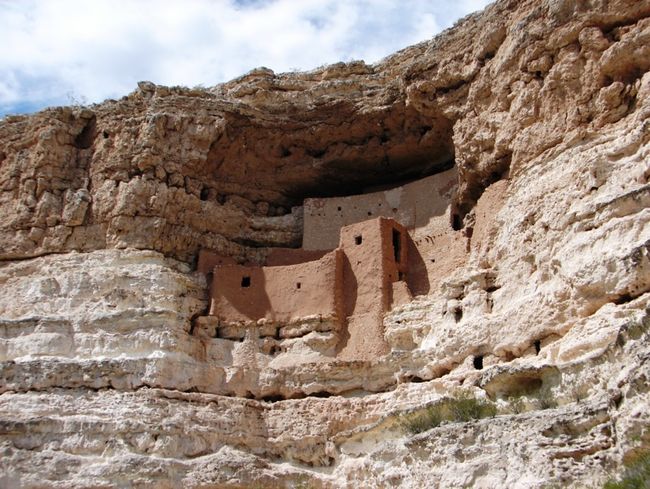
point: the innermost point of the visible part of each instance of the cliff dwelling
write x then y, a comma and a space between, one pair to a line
433, 271
360, 256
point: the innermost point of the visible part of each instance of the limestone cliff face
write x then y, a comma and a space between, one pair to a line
110, 379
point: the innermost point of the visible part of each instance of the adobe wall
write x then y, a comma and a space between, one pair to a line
370, 266
243, 294
413, 205
435, 252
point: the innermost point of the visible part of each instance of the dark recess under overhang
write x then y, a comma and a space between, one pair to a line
332, 153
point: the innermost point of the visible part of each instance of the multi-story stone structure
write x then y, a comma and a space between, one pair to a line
361, 255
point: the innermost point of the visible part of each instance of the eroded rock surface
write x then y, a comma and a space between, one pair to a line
533, 294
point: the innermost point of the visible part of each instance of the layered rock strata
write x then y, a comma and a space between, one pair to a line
537, 298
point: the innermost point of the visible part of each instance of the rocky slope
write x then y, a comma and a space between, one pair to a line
108, 381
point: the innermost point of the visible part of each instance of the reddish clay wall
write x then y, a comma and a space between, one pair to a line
370, 266
281, 294
354, 285
413, 205
435, 252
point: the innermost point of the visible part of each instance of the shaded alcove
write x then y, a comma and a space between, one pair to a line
330, 151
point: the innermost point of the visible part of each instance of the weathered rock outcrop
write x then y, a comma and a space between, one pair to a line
108, 378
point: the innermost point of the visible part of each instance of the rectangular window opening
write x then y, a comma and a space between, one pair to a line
246, 281
397, 245
298, 285
358, 240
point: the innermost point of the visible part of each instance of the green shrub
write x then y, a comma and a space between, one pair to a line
422, 421
465, 408
462, 408
635, 476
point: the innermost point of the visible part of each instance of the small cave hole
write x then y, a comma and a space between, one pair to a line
455, 222
370, 213
246, 281
205, 192
394, 210
273, 398
618, 400
298, 285
400, 276
105, 134
495, 176
433, 260
84, 139
321, 394
538, 346
478, 362
339, 208
623, 299
358, 240
458, 314
285, 152
415, 379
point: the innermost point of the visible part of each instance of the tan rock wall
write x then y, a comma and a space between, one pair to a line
108, 379
485, 227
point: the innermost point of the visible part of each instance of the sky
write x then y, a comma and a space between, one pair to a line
63, 52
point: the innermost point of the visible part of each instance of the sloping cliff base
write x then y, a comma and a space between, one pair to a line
534, 276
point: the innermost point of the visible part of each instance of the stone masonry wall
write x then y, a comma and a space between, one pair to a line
284, 293
413, 205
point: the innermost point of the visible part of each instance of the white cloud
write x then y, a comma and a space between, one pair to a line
94, 50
